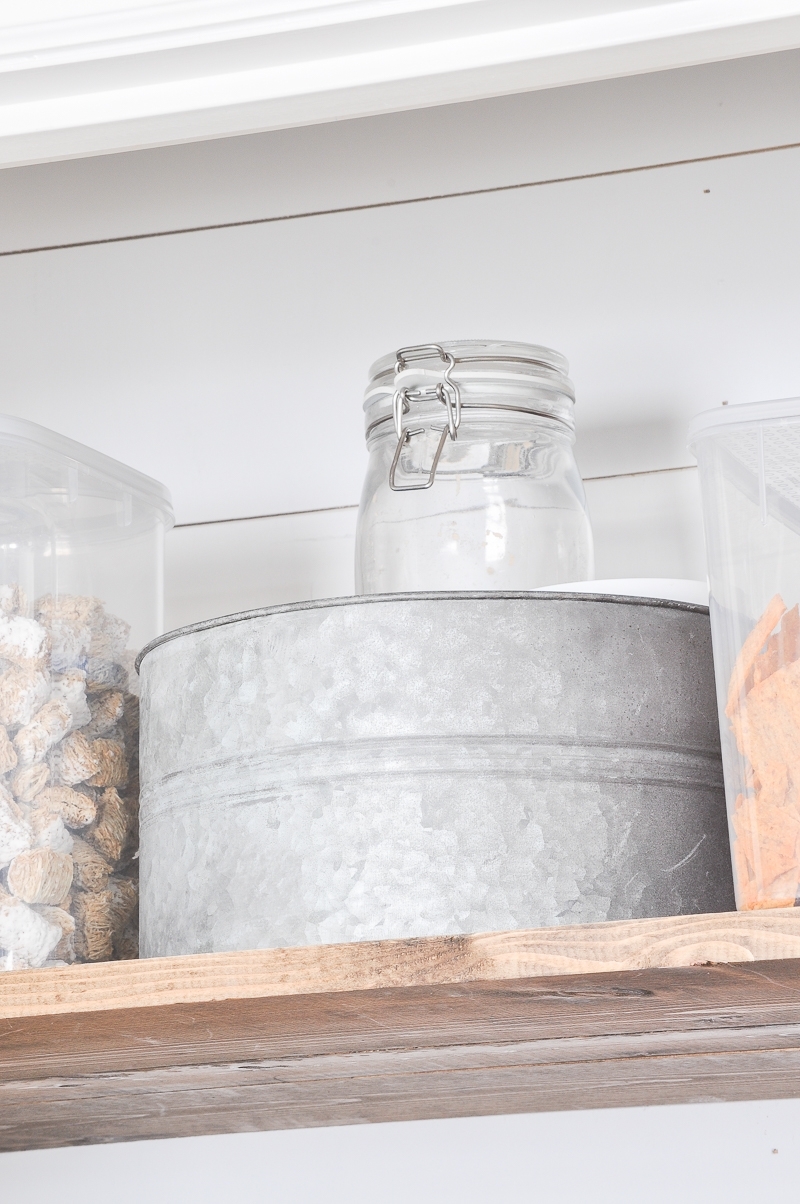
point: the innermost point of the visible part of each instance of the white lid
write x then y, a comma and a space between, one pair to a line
19, 430
667, 589
747, 414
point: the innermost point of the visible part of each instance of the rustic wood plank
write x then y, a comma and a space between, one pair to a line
291, 1038
493, 956
377, 1087
653, 1036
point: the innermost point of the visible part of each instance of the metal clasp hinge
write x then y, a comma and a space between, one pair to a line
446, 391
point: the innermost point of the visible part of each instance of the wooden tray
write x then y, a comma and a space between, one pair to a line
599, 1015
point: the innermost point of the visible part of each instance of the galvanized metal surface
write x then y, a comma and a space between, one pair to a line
422, 764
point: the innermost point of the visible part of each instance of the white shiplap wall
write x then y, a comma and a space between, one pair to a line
230, 364
645, 525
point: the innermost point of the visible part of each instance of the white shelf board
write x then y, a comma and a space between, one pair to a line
607, 126
88, 77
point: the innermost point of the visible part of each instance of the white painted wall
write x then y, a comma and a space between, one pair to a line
645, 525
694, 1154
230, 364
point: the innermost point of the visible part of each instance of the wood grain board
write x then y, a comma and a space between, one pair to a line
592, 1016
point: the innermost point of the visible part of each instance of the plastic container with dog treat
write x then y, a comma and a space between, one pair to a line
81, 590
749, 461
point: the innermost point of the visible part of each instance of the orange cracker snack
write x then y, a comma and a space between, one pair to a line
751, 648
764, 710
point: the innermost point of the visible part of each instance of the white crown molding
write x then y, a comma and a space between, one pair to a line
121, 78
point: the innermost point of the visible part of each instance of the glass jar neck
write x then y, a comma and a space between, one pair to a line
479, 423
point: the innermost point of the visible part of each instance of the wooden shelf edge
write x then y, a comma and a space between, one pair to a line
676, 941
401, 1030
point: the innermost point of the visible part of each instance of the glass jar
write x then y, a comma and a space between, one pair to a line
471, 483
81, 590
749, 463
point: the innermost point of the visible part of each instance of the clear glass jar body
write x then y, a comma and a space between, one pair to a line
506, 510
749, 462
81, 591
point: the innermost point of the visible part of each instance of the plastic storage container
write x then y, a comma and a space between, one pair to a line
81, 590
472, 483
749, 460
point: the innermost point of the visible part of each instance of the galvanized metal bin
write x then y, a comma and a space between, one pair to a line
420, 764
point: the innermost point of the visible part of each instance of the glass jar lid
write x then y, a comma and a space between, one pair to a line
467, 374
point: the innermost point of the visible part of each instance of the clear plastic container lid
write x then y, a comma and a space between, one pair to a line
759, 448
58, 459
723, 417
75, 521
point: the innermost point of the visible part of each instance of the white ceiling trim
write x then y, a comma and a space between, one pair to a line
152, 75
123, 29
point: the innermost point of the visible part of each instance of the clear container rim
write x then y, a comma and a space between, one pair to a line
148, 488
748, 413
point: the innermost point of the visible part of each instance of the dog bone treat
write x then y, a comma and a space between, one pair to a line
8, 754
73, 760
102, 914
77, 808
12, 600
94, 941
40, 876
107, 711
16, 833
23, 641
110, 834
92, 871
28, 781
65, 949
109, 639
104, 675
49, 831
22, 692
68, 623
70, 687
27, 938
48, 726
69, 783
112, 764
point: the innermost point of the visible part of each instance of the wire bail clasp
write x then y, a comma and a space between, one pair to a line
446, 391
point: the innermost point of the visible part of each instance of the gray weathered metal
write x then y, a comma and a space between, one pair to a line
433, 763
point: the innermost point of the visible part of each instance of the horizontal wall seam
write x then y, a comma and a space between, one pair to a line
642, 472
417, 200
252, 518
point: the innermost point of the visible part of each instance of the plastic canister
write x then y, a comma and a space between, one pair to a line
81, 590
749, 461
